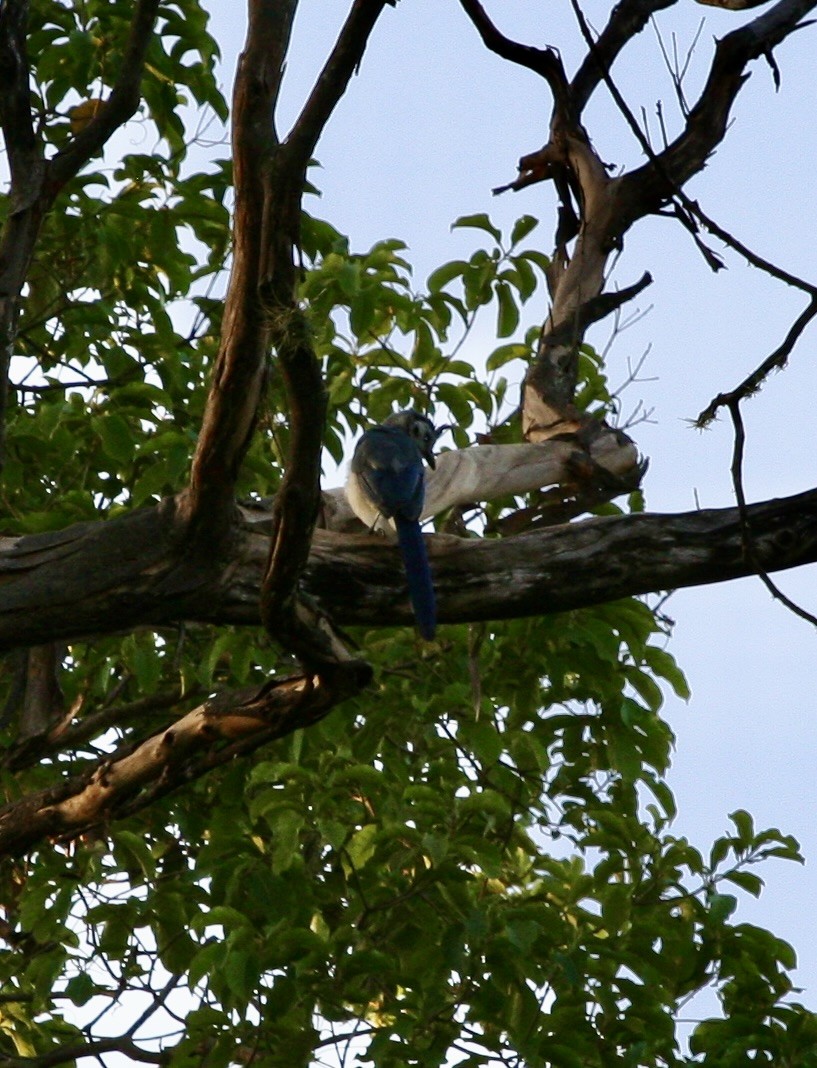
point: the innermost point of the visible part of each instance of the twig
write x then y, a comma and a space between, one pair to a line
746, 536
775, 361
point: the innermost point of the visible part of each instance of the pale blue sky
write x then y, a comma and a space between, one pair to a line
431, 124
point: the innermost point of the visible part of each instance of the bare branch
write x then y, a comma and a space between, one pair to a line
775, 361
542, 61
333, 80
707, 120
745, 523
742, 45
627, 19
751, 257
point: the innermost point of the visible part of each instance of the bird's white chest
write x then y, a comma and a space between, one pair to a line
364, 508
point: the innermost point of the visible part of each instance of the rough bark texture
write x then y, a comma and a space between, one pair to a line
51, 591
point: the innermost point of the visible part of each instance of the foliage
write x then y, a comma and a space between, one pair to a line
474, 862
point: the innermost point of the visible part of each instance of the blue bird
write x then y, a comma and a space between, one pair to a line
386, 483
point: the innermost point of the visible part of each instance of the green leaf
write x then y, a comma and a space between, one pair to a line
508, 312
80, 988
661, 663
361, 847
615, 906
746, 880
118, 440
721, 907
457, 402
505, 353
522, 227
745, 827
479, 221
440, 278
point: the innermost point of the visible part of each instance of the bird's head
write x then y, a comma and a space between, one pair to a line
420, 429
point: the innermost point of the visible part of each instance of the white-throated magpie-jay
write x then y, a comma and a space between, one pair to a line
386, 483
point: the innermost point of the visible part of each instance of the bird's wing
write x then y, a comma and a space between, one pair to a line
389, 466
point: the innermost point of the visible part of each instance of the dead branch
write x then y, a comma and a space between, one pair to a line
775, 361
209, 736
542, 61
745, 522
627, 19
706, 123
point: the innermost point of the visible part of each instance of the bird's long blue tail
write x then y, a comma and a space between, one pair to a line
418, 575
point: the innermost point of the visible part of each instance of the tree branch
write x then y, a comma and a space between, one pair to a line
542, 61
774, 361
298, 499
211, 735
262, 312
707, 120
239, 374
24, 151
71, 1054
106, 577
746, 527
627, 19
120, 106
333, 80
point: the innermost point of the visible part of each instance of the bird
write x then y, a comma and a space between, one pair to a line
386, 482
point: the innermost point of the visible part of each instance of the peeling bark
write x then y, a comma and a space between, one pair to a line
212, 734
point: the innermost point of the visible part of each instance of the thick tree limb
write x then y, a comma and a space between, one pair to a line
298, 499
23, 149
102, 578
262, 312
239, 374
359, 581
484, 472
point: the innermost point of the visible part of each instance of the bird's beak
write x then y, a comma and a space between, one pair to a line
438, 433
